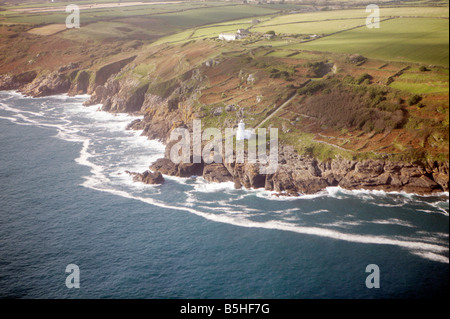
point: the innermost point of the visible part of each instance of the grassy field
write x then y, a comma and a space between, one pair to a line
192, 18
48, 29
94, 15
281, 65
419, 40
411, 40
312, 27
417, 82
431, 12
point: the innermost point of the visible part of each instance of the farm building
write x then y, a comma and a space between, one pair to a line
241, 33
228, 36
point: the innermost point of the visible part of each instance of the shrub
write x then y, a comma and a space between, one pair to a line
311, 87
364, 77
273, 70
413, 100
423, 69
344, 109
420, 105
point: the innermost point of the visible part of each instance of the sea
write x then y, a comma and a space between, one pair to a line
65, 199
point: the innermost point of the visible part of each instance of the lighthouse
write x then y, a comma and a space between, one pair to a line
240, 134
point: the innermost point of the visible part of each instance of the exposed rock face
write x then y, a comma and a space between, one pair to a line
15, 82
216, 173
54, 83
161, 115
126, 98
147, 177
167, 167
80, 84
305, 175
105, 72
30, 84
295, 173
104, 93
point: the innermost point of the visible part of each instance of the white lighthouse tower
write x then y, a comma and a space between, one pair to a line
240, 134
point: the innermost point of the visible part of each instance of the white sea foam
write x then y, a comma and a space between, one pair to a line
429, 251
393, 221
342, 224
316, 212
204, 186
99, 180
432, 256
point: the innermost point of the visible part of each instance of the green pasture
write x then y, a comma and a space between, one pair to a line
412, 40
422, 82
431, 12
322, 27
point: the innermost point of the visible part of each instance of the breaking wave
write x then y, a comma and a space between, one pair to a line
108, 150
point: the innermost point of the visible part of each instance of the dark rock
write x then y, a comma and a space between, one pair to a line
51, 84
14, 82
217, 111
137, 125
68, 67
148, 177
165, 166
217, 173
190, 169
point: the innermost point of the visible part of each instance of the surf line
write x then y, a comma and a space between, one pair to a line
414, 246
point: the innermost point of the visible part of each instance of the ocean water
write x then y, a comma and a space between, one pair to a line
65, 199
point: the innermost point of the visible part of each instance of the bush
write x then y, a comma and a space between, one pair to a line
311, 88
364, 77
344, 109
413, 100
423, 69
273, 70
420, 105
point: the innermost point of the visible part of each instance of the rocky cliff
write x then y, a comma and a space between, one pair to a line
297, 174
164, 110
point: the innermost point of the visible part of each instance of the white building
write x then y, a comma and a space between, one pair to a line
240, 33
228, 36
243, 32
242, 133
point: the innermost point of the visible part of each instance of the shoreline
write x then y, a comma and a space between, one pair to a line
296, 174
282, 194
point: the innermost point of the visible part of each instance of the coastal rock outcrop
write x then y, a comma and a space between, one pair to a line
45, 85
15, 82
147, 177
172, 108
298, 174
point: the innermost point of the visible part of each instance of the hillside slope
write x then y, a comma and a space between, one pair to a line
351, 121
